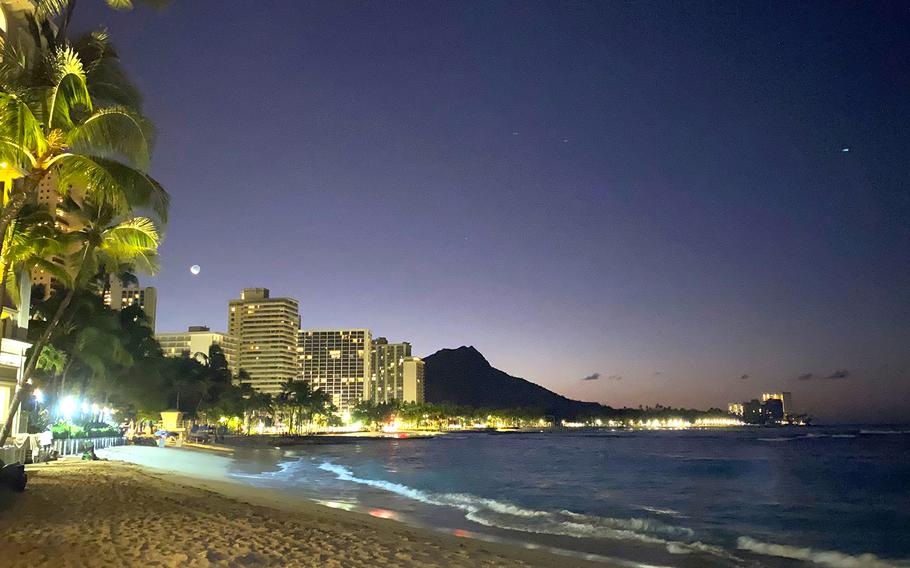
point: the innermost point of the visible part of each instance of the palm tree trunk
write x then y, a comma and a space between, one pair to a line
22, 388
38, 347
62, 384
11, 211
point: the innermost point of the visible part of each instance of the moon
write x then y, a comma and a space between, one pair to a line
195, 269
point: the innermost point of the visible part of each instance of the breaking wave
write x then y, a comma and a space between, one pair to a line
830, 558
499, 514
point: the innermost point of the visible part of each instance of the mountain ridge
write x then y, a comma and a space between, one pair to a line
463, 376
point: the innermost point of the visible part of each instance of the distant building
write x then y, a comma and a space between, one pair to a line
338, 362
773, 408
752, 412
772, 411
265, 331
785, 398
387, 370
413, 383
197, 339
118, 296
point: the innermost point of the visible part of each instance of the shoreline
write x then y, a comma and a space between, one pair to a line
113, 513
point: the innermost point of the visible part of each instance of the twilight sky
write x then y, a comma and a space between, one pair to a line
658, 193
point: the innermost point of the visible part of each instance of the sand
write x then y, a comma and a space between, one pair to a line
99, 514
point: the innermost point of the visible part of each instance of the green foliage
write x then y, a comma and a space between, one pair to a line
374, 415
302, 404
38, 418
65, 431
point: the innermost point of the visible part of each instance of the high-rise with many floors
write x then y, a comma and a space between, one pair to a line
117, 296
412, 383
338, 362
387, 369
265, 333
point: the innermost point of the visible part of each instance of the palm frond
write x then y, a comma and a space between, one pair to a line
20, 130
120, 4
134, 241
118, 185
107, 81
69, 90
115, 133
49, 8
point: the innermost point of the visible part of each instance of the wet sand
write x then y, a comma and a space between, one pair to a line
99, 514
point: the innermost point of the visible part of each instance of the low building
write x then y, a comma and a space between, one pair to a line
13, 328
197, 339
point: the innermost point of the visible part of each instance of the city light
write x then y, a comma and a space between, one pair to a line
68, 407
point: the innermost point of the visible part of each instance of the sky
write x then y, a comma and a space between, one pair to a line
683, 203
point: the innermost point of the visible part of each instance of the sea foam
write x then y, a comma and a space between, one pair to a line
499, 514
830, 558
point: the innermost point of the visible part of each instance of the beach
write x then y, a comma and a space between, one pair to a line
109, 513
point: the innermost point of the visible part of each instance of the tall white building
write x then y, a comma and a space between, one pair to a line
265, 334
338, 362
197, 339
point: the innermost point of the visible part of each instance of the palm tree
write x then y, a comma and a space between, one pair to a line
54, 129
106, 238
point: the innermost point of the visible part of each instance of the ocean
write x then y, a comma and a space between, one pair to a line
776, 497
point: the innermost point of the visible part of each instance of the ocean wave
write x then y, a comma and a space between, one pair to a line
830, 558
874, 432
499, 514
809, 436
667, 512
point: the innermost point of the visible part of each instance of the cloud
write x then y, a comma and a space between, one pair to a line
614, 378
838, 374
743, 377
592, 377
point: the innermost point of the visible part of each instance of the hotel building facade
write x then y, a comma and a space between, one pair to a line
118, 296
265, 332
396, 375
412, 387
197, 339
338, 362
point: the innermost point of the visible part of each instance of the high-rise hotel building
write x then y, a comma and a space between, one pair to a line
197, 339
412, 384
117, 296
338, 362
396, 375
265, 334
